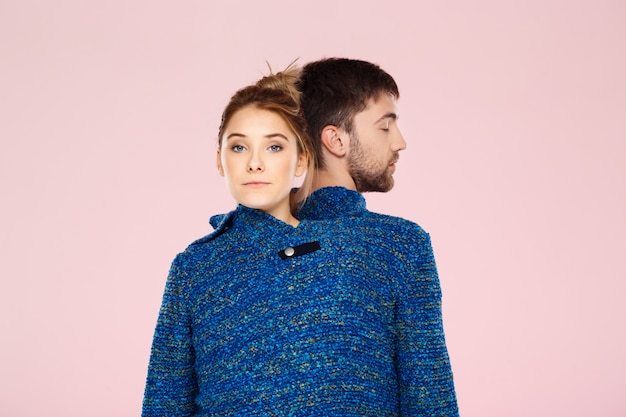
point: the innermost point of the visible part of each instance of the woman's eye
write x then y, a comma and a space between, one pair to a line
238, 148
275, 148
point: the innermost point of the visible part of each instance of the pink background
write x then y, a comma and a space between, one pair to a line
515, 117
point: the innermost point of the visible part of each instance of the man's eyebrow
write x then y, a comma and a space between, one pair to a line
390, 115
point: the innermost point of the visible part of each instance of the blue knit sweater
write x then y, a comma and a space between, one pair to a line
347, 324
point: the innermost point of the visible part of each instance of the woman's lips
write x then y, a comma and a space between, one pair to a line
256, 184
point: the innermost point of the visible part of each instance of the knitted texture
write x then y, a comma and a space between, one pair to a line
351, 329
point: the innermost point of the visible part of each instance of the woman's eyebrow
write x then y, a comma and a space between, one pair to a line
235, 135
268, 136
276, 135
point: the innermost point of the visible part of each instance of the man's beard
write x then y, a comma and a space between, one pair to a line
366, 175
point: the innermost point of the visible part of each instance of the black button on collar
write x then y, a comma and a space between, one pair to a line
299, 250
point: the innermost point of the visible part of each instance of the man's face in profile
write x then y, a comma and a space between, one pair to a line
375, 143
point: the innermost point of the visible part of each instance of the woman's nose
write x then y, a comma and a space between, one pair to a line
255, 163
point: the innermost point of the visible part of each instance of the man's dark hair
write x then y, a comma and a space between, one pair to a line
334, 90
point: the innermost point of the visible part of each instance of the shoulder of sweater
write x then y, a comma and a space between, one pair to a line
221, 223
389, 223
396, 234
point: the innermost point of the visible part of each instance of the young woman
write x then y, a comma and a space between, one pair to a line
220, 311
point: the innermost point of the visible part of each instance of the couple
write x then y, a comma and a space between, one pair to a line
304, 303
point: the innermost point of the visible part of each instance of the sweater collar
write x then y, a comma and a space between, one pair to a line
332, 203
249, 217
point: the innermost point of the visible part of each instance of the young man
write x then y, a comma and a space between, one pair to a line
350, 107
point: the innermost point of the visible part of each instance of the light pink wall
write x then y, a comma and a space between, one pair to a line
515, 114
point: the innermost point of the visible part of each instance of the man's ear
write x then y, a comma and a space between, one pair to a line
220, 168
334, 140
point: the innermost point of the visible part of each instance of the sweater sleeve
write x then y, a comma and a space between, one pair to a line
171, 385
423, 365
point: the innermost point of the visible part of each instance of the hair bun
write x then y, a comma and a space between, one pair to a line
284, 80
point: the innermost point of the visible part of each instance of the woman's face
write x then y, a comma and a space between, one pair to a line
259, 159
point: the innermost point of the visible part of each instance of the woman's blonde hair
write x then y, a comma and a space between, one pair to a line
278, 93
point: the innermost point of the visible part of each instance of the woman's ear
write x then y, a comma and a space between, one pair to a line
220, 168
303, 161
333, 140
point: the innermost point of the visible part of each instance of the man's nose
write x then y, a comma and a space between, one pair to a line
399, 144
